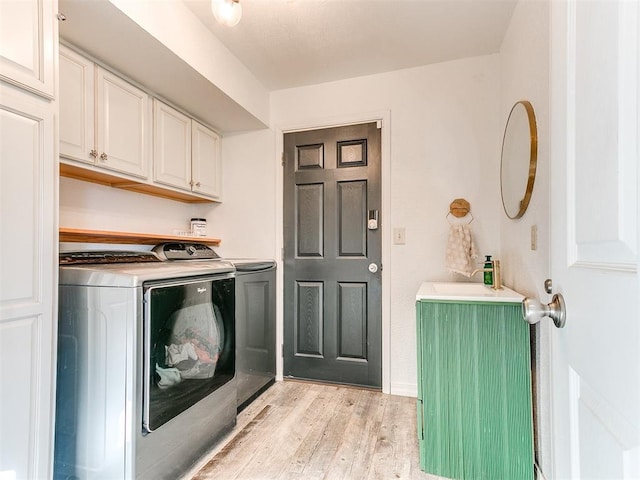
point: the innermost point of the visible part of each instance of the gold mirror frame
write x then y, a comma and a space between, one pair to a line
514, 149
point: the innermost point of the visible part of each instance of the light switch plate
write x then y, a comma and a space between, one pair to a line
399, 236
534, 237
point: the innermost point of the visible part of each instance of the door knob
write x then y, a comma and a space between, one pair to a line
373, 268
534, 310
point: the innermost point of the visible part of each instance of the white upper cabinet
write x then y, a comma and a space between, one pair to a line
104, 120
186, 153
27, 45
171, 146
206, 165
123, 125
77, 106
115, 133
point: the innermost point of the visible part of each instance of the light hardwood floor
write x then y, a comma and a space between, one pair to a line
299, 430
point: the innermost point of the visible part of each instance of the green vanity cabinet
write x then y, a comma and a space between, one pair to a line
474, 390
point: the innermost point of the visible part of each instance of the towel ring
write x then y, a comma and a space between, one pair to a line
469, 214
460, 208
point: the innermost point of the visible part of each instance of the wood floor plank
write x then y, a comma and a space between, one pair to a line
246, 456
286, 437
313, 427
227, 459
307, 431
328, 442
354, 455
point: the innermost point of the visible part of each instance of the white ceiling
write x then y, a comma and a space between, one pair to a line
289, 43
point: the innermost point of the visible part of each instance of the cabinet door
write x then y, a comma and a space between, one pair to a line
207, 167
171, 146
27, 283
123, 125
77, 119
475, 381
26, 46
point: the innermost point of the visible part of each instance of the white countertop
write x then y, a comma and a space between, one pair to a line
466, 292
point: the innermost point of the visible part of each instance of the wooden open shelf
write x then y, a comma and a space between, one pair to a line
102, 236
112, 180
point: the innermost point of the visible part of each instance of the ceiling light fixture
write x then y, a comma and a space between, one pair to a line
227, 12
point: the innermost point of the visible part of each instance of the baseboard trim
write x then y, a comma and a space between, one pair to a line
404, 389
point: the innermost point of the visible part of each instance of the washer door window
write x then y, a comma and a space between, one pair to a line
189, 345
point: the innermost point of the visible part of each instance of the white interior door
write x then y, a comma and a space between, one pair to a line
594, 161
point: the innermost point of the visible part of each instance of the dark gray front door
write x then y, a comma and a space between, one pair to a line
332, 301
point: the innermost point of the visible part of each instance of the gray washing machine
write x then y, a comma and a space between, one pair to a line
255, 315
146, 364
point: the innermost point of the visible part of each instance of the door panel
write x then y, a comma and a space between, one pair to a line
594, 158
27, 292
206, 161
26, 47
171, 146
352, 321
76, 121
309, 319
124, 125
332, 300
309, 156
352, 208
309, 227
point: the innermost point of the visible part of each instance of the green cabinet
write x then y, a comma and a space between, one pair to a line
474, 391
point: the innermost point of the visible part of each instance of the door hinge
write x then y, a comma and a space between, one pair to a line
282, 159
282, 350
282, 254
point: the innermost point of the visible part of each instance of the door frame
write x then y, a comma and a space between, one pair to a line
384, 117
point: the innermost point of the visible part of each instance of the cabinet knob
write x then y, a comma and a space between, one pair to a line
197, 184
104, 156
93, 153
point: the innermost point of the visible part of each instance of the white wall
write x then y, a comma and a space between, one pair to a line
445, 144
524, 75
98, 207
445, 133
246, 221
177, 27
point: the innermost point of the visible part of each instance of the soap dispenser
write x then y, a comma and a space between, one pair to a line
488, 275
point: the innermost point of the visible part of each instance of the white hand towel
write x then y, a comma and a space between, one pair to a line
461, 251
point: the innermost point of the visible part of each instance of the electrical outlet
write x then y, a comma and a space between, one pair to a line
399, 236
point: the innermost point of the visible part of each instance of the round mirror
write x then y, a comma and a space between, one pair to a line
519, 159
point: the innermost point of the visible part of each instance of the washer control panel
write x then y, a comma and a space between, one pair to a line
184, 251
101, 257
